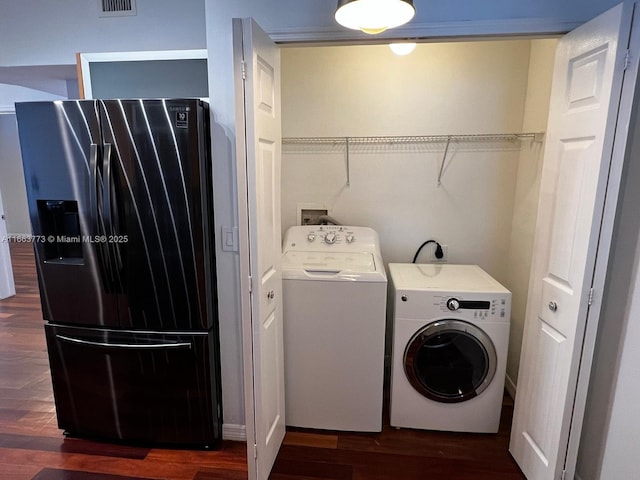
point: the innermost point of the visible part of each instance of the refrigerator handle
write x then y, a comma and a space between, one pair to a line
93, 189
127, 346
106, 194
94, 215
107, 204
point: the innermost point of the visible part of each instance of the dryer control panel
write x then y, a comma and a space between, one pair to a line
435, 291
469, 306
480, 308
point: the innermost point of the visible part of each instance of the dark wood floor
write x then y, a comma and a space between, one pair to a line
32, 447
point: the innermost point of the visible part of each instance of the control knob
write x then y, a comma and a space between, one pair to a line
349, 238
453, 304
330, 238
311, 237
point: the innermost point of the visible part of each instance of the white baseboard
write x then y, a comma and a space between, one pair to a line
510, 386
237, 433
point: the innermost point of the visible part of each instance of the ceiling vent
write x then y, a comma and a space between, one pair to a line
116, 8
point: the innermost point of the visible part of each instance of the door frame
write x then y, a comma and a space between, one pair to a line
309, 38
242, 196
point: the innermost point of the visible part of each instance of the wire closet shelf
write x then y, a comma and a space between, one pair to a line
412, 139
494, 137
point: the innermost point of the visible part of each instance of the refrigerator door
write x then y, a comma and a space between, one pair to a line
158, 212
134, 386
62, 155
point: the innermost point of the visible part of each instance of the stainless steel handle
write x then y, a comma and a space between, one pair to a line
271, 294
93, 188
127, 346
553, 306
106, 187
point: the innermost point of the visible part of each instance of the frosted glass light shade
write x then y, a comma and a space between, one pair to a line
402, 48
374, 16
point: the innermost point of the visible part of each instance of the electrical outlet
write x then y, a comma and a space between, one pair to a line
445, 255
311, 216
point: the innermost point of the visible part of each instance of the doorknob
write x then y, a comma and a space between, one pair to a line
553, 306
271, 294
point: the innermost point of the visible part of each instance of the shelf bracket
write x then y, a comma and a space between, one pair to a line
444, 158
348, 162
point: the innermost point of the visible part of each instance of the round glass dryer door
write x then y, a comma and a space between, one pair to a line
450, 361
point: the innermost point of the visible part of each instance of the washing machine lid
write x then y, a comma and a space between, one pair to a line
352, 266
439, 277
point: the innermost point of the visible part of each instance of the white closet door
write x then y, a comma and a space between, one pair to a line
259, 68
585, 99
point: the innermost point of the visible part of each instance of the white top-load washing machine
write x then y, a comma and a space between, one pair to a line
334, 295
450, 343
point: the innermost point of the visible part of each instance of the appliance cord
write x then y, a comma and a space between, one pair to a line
438, 252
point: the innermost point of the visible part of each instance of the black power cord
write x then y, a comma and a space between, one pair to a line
438, 253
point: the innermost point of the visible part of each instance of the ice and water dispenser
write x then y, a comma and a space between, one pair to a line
60, 231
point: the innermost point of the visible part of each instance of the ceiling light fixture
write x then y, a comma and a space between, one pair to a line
374, 16
402, 48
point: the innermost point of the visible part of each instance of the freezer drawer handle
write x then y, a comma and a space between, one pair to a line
127, 346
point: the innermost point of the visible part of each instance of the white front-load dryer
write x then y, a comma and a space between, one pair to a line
334, 309
450, 343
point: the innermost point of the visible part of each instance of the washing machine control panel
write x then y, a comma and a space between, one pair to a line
330, 235
334, 237
330, 238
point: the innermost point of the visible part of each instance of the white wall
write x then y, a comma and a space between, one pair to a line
33, 32
525, 203
12, 186
445, 88
9, 94
611, 430
620, 458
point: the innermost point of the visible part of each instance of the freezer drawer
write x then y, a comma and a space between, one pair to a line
135, 386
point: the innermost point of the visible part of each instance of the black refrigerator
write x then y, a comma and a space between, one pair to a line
121, 205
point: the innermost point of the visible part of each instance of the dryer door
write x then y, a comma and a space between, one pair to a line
450, 361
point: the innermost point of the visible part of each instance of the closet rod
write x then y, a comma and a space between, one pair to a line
411, 139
